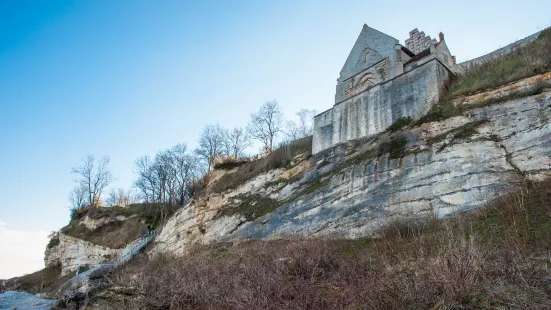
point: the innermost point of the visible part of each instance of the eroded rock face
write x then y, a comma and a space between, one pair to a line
73, 252
93, 223
454, 165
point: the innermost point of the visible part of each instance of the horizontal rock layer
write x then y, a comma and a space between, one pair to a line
348, 193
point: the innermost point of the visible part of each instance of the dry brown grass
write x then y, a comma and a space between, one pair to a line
278, 158
495, 258
525, 61
45, 281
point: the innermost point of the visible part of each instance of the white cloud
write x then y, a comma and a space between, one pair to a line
21, 251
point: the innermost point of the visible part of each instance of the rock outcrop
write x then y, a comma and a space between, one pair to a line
354, 189
22, 300
72, 253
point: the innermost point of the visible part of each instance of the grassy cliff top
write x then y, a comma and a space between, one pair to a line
113, 232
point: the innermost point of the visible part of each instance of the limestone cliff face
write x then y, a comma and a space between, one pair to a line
354, 189
72, 252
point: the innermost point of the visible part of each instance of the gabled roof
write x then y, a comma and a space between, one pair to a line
379, 44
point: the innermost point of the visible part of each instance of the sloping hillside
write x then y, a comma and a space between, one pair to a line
496, 258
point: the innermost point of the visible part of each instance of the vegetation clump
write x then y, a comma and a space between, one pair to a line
252, 207
115, 233
230, 163
396, 147
279, 158
525, 61
400, 123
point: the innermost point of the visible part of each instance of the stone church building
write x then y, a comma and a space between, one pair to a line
382, 81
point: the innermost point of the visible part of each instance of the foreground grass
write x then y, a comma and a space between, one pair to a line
495, 258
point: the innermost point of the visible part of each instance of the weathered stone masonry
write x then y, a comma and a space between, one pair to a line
380, 82
408, 95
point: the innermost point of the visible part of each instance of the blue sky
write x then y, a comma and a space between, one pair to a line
130, 78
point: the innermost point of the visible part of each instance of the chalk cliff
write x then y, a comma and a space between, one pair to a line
73, 253
355, 188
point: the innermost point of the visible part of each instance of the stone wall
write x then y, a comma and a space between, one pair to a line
72, 252
408, 95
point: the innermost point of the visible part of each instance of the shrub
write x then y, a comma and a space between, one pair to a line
400, 123
47, 281
396, 147
251, 207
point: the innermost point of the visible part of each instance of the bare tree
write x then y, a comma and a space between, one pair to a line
94, 177
304, 127
210, 144
235, 142
146, 183
306, 122
291, 132
168, 177
184, 168
266, 124
119, 197
77, 197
